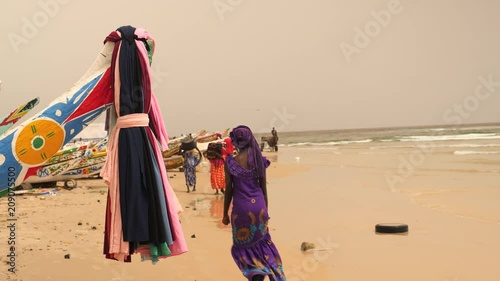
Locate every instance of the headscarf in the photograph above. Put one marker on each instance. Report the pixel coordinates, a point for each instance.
(242, 137)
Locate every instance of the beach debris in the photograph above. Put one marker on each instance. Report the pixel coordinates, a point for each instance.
(102, 192)
(79, 223)
(67, 256)
(391, 228)
(93, 228)
(297, 159)
(42, 198)
(193, 236)
(306, 246)
(98, 201)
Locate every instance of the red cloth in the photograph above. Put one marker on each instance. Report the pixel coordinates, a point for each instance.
(229, 147)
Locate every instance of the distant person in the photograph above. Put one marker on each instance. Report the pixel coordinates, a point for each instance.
(190, 163)
(253, 250)
(275, 139)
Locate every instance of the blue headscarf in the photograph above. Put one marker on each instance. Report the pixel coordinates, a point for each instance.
(243, 138)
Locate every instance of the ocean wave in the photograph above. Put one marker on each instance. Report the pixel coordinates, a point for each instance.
(467, 152)
(488, 136)
(331, 143)
(472, 145)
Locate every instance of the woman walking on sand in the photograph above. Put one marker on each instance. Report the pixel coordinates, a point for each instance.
(253, 250)
(190, 163)
(217, 175)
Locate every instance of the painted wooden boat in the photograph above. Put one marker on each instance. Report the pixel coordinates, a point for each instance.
(83, 172)
(67, 154)
(72, 174)
(95, 154)
(172, 150)
(174, 162)
(89, 162)
(208, 138)
(177, 141)
(12, 118)
(225, 133)
(27, 147)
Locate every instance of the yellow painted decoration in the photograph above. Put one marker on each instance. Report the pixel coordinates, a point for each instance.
(38, 141)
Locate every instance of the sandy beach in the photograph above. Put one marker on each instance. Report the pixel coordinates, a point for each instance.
(331, 196)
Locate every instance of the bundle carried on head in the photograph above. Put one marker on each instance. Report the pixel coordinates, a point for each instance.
(188, 144)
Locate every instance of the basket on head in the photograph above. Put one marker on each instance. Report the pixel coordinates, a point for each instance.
(188, 144)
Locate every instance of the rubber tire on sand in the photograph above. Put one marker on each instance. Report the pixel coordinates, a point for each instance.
(391, 228)
(70, 183)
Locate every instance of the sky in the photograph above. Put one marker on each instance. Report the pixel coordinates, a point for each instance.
(290, 64)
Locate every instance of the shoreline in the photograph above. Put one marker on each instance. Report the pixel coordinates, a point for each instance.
(332, 200)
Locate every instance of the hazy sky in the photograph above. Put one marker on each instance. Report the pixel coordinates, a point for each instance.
(297, 65)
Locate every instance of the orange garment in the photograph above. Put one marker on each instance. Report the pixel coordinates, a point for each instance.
(217, 174)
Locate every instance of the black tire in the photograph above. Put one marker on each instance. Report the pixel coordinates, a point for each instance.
(391, 228)
(70, 184)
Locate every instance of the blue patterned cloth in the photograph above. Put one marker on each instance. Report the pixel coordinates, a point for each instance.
(190, 163)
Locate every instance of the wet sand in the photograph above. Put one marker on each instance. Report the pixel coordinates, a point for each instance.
(330, 196)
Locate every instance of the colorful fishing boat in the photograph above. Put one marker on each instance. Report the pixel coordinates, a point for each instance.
(69, 175)
(29, 146)
(8, 121)
(172, 150)
(208, 137)
(177, 141)
(174, 162)
(67, 154)
(83, 172)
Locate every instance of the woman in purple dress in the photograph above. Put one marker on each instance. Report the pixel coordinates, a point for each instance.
(253, 250)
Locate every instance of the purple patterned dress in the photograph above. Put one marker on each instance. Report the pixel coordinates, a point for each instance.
(253, 251)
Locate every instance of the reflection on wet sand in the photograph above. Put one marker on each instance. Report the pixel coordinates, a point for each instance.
(216, 210)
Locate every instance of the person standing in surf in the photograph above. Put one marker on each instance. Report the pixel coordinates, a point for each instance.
(253, 250)
(275, 138)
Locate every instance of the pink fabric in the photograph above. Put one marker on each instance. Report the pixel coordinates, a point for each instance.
(110, 172)
(151, 105)
(157, 121)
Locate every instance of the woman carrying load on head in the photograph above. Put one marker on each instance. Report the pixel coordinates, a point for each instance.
(191, 160)
(217, 174)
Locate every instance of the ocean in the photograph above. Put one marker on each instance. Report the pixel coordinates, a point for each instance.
(327, 138)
